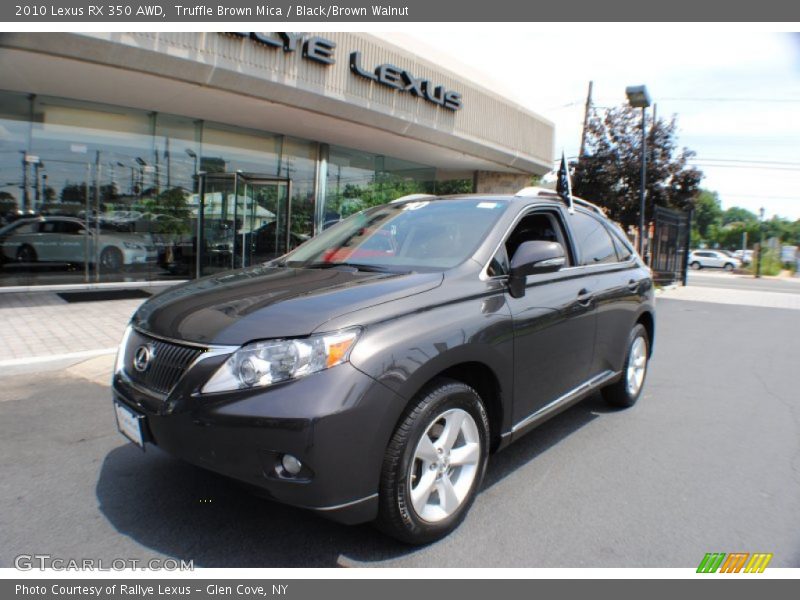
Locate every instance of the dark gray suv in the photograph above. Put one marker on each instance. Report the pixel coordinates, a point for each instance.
(368, 374)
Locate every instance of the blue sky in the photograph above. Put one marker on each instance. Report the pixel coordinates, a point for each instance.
(736, 92)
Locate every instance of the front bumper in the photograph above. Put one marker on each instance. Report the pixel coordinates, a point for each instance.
(337, 422)
(139, 257)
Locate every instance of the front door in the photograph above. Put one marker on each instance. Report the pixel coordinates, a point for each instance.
(242, 220)
(554, 323)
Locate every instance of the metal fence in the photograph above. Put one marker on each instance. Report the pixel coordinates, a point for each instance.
(670, 245)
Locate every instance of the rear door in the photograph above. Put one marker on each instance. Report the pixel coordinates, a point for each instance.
(620, 287)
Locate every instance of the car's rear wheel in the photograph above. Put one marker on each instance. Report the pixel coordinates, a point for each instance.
(696, 266)
(626, 391)
(434, 464)
(729, 267)
(111, 259)
(26, 254)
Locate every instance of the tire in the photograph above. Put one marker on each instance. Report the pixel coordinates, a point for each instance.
(625, 392)
(26, 254)
(111, 259)
(729, 267)
(696, 266)
(416, 472)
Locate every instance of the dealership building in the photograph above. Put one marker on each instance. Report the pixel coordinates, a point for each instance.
(162, 156)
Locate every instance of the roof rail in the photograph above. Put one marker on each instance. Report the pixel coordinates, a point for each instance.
(539, 192)
(589, 205)
(413, 197)
(533, 192)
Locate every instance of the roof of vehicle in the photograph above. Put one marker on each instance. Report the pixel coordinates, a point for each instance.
(528, 193)
(48, 218)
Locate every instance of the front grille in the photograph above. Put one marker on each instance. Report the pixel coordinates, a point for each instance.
(167, 362)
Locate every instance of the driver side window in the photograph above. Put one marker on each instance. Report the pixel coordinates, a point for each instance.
(539, 225)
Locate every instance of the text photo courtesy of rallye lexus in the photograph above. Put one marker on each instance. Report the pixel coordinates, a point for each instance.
(369, 373)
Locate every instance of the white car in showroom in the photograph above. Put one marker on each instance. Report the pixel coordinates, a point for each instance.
(713, 259)
(68, 240)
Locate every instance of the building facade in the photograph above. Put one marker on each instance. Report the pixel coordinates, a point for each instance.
(148, 156)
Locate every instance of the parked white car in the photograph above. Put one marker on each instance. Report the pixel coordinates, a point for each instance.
(67, 240)
(746, 257)
(713, 259)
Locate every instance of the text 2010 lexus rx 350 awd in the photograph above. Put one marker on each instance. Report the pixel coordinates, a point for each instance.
(368, 374)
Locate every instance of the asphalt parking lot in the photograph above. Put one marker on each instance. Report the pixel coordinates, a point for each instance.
(708, 461)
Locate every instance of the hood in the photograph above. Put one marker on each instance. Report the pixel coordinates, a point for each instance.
(270, 302)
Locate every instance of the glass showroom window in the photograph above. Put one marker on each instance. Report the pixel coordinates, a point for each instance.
(358, 180)
(20, 182)
(170, 217)
(299, 164)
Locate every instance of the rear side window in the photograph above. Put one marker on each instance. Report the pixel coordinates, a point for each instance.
(623, 252)
(593, 240)
(70, 227)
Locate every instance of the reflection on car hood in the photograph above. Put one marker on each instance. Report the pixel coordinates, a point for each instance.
(268, 302)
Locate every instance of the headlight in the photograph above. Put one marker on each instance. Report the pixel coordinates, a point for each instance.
(133, 246)
(263, 363)
(119, 363)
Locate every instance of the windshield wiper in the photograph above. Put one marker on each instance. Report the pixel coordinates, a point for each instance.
(357, 266)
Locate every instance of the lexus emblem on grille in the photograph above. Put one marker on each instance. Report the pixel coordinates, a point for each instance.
(142, 358)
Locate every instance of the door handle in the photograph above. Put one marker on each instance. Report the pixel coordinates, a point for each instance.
(633, 285)
(585, 297)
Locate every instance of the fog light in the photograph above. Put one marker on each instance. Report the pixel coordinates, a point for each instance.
(291, 464)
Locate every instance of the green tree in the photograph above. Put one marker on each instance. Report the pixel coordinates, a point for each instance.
(729, 237)
(736, 214)
(73, 192)
(610, 173)
(707, 212)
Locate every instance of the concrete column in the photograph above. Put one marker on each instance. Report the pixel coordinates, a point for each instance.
(495, 182)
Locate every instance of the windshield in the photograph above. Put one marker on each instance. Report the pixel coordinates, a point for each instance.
(409, 236)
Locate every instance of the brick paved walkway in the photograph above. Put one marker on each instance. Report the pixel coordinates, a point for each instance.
(41, 324)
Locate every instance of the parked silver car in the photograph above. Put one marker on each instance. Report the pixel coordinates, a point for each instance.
(713, 259)
(68, 240)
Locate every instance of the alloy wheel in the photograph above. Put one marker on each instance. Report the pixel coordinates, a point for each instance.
(637, 363)
(445, 465)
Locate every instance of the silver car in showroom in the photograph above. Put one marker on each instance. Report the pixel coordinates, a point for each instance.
(69, 240)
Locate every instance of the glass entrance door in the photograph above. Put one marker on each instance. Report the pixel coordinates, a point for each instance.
(242, 220)
(265, 231)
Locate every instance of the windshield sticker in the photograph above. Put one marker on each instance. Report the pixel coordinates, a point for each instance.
(487, 205)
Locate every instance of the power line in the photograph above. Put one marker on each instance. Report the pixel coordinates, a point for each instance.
(742, 166)
(769, 100)
(760, 196)
(747, 160)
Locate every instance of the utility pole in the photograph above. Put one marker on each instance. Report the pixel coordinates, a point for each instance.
(760, 240)
(586, 119)
(744, 245)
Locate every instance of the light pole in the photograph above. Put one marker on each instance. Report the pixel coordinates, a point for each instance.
(639, 98)
(193, 156)
(760, 240)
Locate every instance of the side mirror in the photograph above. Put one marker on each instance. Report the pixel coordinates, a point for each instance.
(532, 258)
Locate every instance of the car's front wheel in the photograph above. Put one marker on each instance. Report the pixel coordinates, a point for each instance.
(26, 254)
(434, 463)
(111, 259)
(626, 391)
(729, 267)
